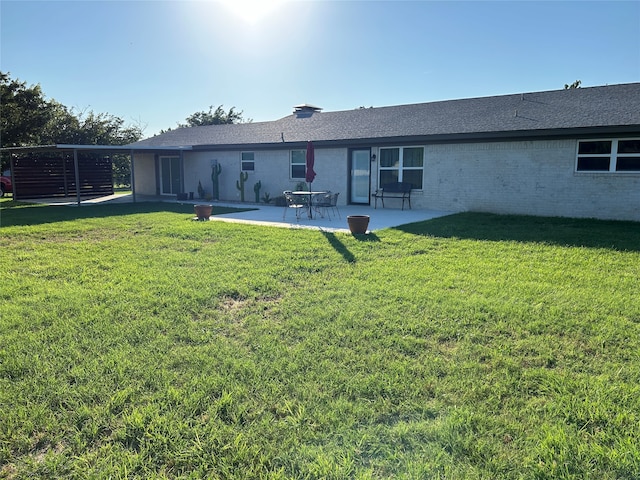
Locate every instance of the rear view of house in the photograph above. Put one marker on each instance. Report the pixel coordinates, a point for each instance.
(572, 153)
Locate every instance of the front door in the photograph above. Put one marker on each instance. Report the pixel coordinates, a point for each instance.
(169, 175)
(360, 176)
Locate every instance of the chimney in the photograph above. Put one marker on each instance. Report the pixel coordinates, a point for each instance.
(305, 110)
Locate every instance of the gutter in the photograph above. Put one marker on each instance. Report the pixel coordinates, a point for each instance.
(480, 137)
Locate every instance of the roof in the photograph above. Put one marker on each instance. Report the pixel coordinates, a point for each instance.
(93, 148)
(592, 110)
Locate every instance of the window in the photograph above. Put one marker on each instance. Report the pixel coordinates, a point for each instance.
(608, 155)
(247, 163)
(402, 164)
(628, 158)
(298, 163)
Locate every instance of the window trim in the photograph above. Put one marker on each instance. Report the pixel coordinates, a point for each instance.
(613, 156)
(401, 168)
(243, 161)
(291, 164)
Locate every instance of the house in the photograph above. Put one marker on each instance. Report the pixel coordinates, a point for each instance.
(573, 153)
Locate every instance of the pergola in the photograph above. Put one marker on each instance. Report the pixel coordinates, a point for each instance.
(60, 170)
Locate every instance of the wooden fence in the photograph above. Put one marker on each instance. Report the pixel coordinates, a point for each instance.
(53, 175)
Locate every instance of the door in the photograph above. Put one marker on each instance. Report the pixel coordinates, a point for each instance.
(360, 176)
(169, 175)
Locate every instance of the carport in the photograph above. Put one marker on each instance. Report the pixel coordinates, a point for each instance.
(63, 170)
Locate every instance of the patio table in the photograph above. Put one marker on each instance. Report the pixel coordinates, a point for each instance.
(310, 195)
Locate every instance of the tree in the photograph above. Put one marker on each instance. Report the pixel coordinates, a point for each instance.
(575, 84)
(25, 113)
(213, 117)
(102, 129)
(29, 119)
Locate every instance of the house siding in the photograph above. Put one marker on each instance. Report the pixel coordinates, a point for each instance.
(525, 177)
(145, 173)
(272, 169)
(535, 177)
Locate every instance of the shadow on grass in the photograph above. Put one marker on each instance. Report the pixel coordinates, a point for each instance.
(20, 214)
(366, 237)
(614, 235)
(339, 246)
(342, 249)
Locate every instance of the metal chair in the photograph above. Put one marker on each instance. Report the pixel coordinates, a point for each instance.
(333, 204)
(295, 202)
(321, 203)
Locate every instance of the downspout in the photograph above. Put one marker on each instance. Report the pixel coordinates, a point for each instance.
(75, 164)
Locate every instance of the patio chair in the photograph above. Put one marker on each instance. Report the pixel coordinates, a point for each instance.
(293, 201)
(334, 203)
(321, 203)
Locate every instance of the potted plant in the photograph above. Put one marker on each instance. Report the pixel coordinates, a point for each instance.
(358, 224)
(203, 212)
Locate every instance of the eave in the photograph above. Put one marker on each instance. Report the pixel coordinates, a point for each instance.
(482, 137)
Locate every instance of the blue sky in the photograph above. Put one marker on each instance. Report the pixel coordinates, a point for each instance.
(156, 62)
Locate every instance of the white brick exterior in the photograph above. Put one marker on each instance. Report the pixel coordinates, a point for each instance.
(526, 177)
(144, 171)
(271, 169)
(510, 177)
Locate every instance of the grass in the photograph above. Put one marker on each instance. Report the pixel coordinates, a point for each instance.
(136, 343)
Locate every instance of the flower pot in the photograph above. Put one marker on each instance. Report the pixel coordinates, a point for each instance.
(358, 223)
(203, 212)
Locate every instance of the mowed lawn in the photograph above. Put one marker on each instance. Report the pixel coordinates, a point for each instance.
(137, 343)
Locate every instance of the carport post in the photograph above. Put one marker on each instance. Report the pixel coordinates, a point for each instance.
(13, 176)
(75, 165)
(181, 170)
(133, 179)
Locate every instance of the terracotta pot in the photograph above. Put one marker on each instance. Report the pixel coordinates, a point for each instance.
(203, 212)
(358, 223)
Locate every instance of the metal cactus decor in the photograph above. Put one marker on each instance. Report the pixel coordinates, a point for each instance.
(240, 184)
(216, 169)
(256, 189)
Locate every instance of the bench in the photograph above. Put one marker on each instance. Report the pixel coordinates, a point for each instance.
(393, 190)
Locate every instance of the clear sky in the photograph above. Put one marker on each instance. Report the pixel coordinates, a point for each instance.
(156, 62)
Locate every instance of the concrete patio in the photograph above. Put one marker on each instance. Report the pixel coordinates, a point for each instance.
(262, 214)
(380, 218)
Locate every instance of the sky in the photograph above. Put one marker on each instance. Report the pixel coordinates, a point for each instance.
(154, 63)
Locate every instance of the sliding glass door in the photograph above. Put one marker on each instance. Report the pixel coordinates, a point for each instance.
(360, 176)
(169, 175)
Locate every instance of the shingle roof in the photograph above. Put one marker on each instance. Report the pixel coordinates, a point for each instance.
(614, 107)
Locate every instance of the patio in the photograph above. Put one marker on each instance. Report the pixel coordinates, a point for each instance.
(271, 215)
(379, 218)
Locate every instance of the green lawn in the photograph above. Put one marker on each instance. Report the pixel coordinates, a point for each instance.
(137, 343)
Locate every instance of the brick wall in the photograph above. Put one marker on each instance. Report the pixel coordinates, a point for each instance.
(527, 177)
(271, 169)
(518, 177)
